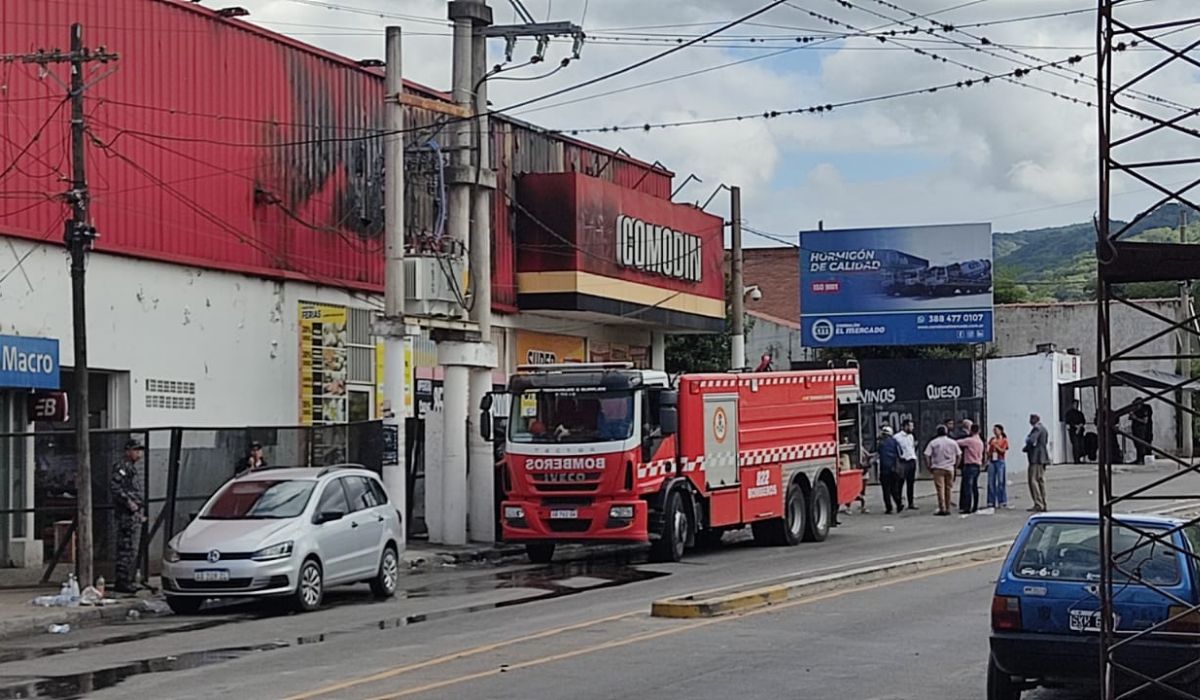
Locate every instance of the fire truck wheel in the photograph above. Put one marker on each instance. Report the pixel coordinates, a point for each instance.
(672, 542)
(795, 516)
(820, 514)
(540, 552)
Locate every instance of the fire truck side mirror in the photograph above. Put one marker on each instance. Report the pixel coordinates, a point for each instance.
(485, 417)
(668, 412)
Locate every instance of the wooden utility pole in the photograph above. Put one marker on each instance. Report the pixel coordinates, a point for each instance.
(79, 234)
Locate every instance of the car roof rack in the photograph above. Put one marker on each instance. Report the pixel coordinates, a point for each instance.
(336, 467)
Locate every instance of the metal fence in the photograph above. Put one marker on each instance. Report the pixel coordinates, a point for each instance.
(182, 467)
(926, 416)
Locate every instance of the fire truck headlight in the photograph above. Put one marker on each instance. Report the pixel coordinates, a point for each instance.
(514, 513)
(621, 512)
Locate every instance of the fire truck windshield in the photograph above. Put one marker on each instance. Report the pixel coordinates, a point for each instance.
(571, 416)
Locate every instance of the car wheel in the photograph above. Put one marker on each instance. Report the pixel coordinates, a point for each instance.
(1000, 685)
(184, 606)
(540, 552)
(310, 587)
(386, 579)
(820, 514)
(673, 540)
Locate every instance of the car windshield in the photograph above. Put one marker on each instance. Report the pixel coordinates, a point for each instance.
(572, 416)
(259, 499)
(1062, 551)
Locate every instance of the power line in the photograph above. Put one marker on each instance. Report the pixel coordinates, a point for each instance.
(985, 42)
(33, 139)
(645, 61)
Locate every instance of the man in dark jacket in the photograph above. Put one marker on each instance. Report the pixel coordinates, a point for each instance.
(891, 479)
(129, 512)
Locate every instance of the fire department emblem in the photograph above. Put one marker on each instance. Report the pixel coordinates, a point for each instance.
(720, 424)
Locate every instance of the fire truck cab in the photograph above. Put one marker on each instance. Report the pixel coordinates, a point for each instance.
(609, 453)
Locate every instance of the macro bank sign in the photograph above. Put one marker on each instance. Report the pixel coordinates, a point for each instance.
(28, 363)
(918, 285)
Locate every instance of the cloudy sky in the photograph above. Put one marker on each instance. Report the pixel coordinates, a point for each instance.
(1016, 156)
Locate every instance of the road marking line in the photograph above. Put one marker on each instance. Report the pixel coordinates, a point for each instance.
(465, 653)
(611, 644)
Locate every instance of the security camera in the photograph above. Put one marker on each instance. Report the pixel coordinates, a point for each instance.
(755, 293)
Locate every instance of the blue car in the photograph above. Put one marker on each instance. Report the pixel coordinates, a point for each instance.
(1046, 608)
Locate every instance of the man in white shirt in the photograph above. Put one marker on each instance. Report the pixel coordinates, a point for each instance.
(908, 459)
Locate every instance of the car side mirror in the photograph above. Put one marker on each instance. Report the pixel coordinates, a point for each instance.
(329, 516)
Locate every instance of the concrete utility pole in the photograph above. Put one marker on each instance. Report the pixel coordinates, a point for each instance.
(737, 340)
(1184, 368)
(391, 327)
(461, 352)
(79, 234)
(480, 458)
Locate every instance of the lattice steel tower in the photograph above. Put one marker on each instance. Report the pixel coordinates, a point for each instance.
(1147, 77)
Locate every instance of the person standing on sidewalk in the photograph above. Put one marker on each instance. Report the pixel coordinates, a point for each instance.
(972, 464)
(253, 461)
(129, 508)
(942, 455)
(997, 492)
(1039, 457)
(907, 476)
(1075, 424)
(890, 478)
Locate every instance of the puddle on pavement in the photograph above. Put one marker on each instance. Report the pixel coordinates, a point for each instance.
(543, 583)
(80, 684)
(27, 653)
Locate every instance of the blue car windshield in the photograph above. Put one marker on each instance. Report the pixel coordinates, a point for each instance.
(259, 499)
(1070, 551)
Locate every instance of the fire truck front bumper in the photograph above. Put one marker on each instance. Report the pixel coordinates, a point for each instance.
(608, 520)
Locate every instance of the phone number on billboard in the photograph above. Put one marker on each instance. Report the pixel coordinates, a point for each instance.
(952, 318)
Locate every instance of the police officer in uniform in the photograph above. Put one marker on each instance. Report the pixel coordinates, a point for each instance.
(129, 507)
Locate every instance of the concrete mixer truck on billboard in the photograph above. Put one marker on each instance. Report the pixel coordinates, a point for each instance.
(896, 286)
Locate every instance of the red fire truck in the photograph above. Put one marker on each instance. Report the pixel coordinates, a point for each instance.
(609, 453)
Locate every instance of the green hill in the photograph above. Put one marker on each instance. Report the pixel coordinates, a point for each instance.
(1060, 262)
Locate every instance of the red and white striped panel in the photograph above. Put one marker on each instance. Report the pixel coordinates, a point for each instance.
(663, 467)
(773, 455)
(840, 377)
(791, 453)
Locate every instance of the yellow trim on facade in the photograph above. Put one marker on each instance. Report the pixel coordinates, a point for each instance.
(576, 282)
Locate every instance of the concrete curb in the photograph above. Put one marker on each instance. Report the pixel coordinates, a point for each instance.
(83, 615)
(726, 601)
(711, 605)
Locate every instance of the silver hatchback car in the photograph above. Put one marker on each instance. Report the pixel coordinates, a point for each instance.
(286, 533)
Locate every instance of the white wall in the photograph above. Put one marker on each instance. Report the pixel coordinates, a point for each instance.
(1017, 387)
(1020, 328)
(236, 337)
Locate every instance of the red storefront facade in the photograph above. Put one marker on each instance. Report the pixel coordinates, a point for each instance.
(219, 144)
(590, 247)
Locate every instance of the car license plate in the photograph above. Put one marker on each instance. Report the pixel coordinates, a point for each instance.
(564, 514)
(212, 575)
(1085, 621)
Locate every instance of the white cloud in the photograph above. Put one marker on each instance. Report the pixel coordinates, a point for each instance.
(993, 150)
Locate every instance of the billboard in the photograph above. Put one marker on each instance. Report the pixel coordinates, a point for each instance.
(918, 285)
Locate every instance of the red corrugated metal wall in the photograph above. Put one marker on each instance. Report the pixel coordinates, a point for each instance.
(222, 145)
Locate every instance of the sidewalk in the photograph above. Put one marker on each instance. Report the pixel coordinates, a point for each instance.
(18, 616)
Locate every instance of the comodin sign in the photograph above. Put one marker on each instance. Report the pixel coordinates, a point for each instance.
(658, 249)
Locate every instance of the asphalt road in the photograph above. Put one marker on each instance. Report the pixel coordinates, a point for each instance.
(579, 629)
